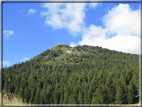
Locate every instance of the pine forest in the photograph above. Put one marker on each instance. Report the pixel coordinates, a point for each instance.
(79, 75)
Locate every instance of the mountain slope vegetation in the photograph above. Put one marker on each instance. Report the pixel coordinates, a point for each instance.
(79, 75)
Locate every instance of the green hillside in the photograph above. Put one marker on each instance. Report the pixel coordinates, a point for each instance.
(79, 75)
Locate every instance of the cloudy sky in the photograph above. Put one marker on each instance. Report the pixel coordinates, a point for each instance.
(31, 28)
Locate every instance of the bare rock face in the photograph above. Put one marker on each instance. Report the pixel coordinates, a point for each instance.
(68, 51)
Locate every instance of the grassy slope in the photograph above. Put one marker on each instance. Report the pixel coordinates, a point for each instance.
(61, 58)
(11, 99)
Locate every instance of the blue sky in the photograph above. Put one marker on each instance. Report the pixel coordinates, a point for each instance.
(31, 28)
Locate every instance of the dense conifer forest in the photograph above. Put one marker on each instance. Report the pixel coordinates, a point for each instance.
(79, 75)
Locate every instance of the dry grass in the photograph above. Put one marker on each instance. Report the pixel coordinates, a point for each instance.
(11, 99)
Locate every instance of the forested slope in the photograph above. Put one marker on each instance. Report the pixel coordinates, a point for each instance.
(79, 75)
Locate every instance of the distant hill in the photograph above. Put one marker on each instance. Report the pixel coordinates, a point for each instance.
(79, 75)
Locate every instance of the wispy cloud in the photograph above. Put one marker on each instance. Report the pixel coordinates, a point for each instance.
(20, 11)
(31, 11)
(5, 63)
(8, 33)
(24, 59)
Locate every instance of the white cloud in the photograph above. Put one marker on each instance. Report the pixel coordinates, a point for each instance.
(93, 5)
(24, 59)
(127, 31)
(92, 33)
(65, 15)
(8, 32)
(72, 44)
(31, 11)
(92, 36)
(124, 43)
(123, 20)
(5, 63)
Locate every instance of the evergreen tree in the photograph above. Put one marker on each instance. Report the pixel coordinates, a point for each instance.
(80, 97)
(27, 94)
(37, 97)
(98, 97)
(120, 96)
(130, 94)
(20, 93)
(33, 92)
(61, 99)
(66, 97)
